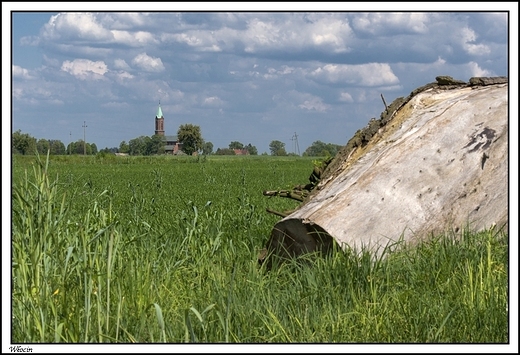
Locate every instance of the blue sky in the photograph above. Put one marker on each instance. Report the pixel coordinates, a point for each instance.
(251, 77)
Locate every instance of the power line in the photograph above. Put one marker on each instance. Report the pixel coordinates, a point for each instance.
(84, 141)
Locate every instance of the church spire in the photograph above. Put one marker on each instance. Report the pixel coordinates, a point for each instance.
(159, 122)
(159, 111)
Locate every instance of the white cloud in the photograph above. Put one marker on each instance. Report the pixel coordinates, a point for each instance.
(124, 20)
(212, 101)
(362, 96)
(346, 97)
(19, 72)
(296, 32)
(202, 40)
(83, 26)
(273, 73)
(390, 23)
(51, 62)
(29, 41)
(432, 69)
(17, 93)
(121, 64)
(85, 69)
(35, 94)
(314, 103)
(147, 63)
(286, 70)
(260, 34)
(124, 75)
(476, 70)
(134, 39)
(332, 35)
(101, 28)
(468, 37)
(371, 74)
(266, 32)
(439, 62)
(269, 76)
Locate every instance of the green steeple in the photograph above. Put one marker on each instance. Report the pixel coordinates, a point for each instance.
(159, 111)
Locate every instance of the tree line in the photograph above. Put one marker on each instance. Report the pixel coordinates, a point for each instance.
(316, 149)
(189, 136)
(25, 144)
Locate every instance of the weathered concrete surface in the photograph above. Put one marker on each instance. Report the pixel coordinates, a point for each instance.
(440, 164)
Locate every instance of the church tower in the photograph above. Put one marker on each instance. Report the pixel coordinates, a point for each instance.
(159, 122)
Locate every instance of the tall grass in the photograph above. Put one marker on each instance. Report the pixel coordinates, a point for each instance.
(147, 255)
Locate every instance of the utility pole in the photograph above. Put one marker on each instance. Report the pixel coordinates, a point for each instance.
(70, 143)
(84, 141)
(295, 139)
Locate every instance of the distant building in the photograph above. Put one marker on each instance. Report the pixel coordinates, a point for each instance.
(243, 151)
(172, 145)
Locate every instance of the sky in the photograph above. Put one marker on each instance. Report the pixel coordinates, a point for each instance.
(247, 76)
(247, 72)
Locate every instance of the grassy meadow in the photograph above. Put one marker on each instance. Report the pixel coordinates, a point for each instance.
(164, 249)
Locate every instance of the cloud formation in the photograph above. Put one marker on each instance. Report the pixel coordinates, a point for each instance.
(252, 77)
(85, 69)
(148, 63)
(371, 74)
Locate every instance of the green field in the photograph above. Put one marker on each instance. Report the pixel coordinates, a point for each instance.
(164, 249)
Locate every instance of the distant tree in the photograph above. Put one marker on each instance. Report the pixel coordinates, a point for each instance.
(105, 151)
(92, 149)
(71, 148)
(190, 137)
(108, 150)
(277, 148)
(161, 149)
(236, 145)
(23, 143)
(154, 145)
(207, 148)
(317, 148)
(252, 149)
(79, 146)
(57, 147)
(159, 143)
(43, 146)
(137, 145)
(124, 147)
(143, 145)
(147, 146)
(334, 148)
(321, 149)
(225, 151)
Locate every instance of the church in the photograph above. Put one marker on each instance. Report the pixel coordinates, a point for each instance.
(172, 146)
